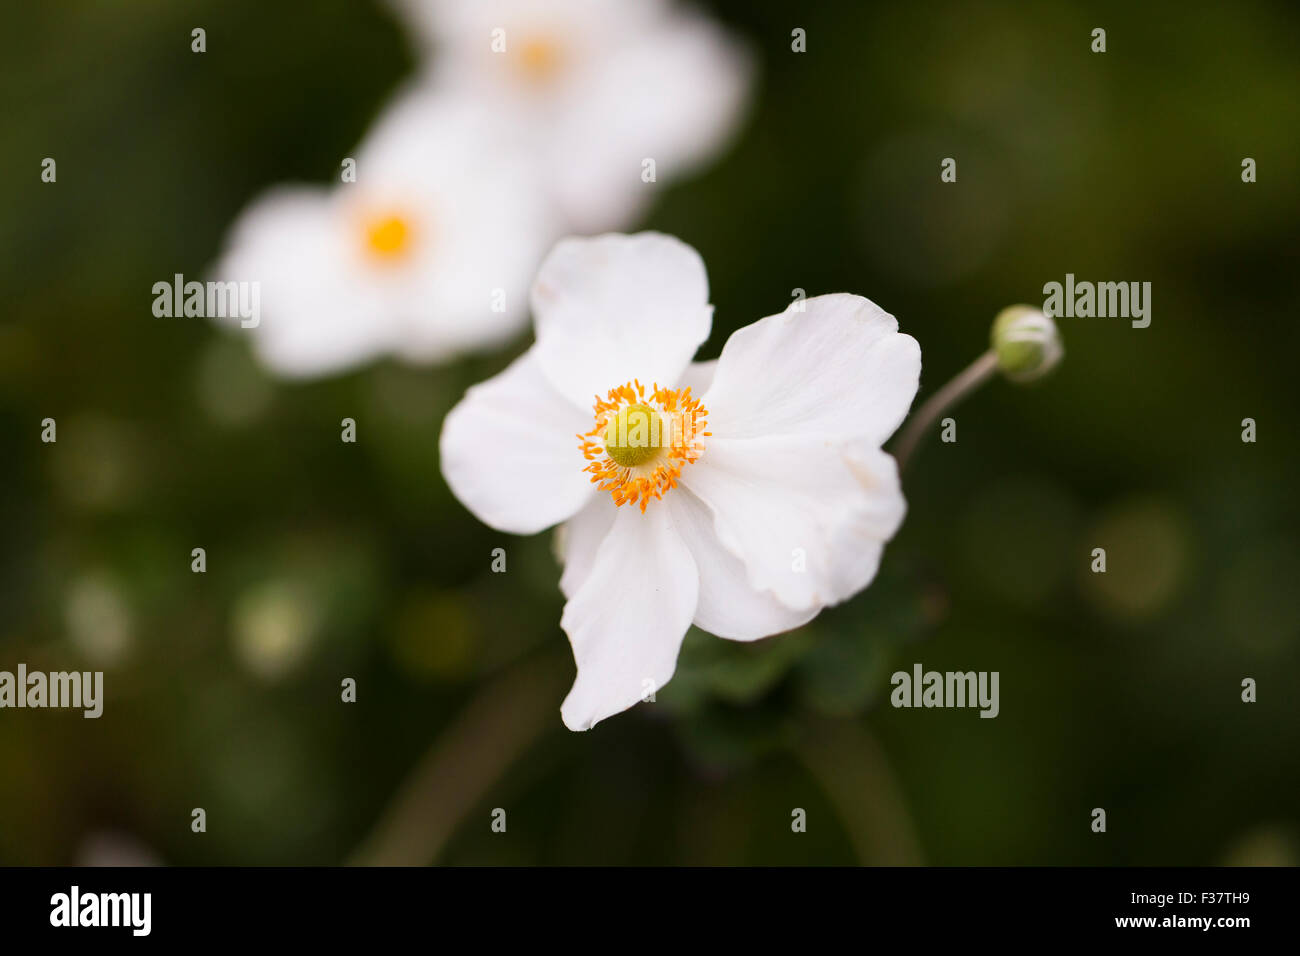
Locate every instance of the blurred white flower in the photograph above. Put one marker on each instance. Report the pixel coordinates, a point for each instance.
(743, 495)
(426, 255)
(592, 89)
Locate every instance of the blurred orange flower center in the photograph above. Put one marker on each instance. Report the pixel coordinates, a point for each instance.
(540, 58)
(639, 442)
(388, 236)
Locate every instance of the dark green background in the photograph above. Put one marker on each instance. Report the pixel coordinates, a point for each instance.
(1119, 691)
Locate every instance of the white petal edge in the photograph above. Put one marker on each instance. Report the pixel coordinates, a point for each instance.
(626, 621)
(580, 538)
(807, 516)
(698, 377)
(510, 451)
(729, 606)
(615, 308)
(838, 368)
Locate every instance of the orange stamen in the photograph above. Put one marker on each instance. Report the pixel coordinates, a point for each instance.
(684, 420)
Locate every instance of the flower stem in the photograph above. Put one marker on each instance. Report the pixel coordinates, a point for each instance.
(971, 378)
(853, 770)
(509, 713)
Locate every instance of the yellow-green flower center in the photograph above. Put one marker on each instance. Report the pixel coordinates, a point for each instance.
(638, 445)
(635, 436)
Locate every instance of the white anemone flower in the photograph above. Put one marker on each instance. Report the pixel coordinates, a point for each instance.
(427, 255)
(593, 89)
(742, 495)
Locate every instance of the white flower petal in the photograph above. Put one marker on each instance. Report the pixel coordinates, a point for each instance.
(510, 451)
(627, 619)
(616, 308)
(463, 25)
(856, 545)
(674, 93)
(808, 516)
(580, 539)
(698, 377)
(314, 319)
(618, 81)
(476, 224)
(840, 368)
(479, 222)
(729, 606)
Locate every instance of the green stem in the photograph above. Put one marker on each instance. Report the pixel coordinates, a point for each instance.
(971, 378)
(845, 758)
(465, 762)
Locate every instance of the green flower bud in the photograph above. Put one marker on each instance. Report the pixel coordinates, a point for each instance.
(1026, 342)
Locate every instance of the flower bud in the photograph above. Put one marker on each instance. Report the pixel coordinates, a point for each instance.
(1026, 342)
